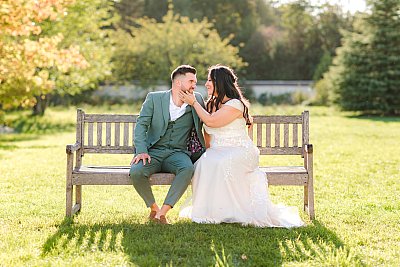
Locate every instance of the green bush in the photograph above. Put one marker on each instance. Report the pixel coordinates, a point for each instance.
(294, 98)
(322, 93)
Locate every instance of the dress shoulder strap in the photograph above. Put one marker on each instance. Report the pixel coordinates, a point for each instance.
(235, 103)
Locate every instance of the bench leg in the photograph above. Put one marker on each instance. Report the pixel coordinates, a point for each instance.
(68, 211)
(78, 198)
(69, 186)
(311, 201)
(309, 188)
(72, 209)
(305, 208)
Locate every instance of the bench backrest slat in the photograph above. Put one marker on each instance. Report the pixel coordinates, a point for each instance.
(117, 133)
(99, 134)
(108, 133)
(286, 134)
(109, 118)
(277, 135)
(278, 119)
(295, 137)
(280, 150)
(268, 135)
(259, 136)
(110, 150)
(306, 133)
(90, 134)
(80, 136)
(269, 138)
(126, 133)
(274, 139)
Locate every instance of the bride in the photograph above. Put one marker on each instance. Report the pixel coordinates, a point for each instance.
(227, 184)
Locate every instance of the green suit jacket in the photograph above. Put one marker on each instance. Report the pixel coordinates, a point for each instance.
(153, 119)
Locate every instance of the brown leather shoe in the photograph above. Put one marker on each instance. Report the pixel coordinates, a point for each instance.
(152, 216)
(163, 220)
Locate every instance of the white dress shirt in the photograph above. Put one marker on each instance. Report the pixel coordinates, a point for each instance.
(174, 111)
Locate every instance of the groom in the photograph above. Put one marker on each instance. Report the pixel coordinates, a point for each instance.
(161, 134)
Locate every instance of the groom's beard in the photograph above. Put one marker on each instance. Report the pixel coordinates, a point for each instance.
(190, 90)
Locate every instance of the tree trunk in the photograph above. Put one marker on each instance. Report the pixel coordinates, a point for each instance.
(40, 106)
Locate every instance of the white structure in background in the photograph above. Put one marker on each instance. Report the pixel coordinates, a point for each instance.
(280, 87)
(135, 91)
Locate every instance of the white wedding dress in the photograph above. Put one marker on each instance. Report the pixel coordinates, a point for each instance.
(229, 187)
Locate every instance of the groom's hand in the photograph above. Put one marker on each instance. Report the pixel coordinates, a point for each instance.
(139, 157)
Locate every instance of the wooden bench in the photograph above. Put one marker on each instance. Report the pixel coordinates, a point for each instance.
(106, 133)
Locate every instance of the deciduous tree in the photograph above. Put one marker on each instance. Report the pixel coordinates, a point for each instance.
(153, 49)
(26, 57)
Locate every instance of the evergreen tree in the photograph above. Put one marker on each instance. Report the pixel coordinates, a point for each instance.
(365, 75)
(384, 58)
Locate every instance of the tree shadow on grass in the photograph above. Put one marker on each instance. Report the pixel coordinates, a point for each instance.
(375, 118)
(9, 141)
(7, 146)
(187, 243)
(29, 128)
(15, 137)
(41, 125)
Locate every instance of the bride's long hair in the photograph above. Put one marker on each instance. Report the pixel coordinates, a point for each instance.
(225, 84)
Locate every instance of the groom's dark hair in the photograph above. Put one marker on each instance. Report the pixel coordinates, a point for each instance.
(182, 70)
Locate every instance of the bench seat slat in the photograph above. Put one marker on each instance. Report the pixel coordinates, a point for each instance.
(118, 175)
(283, 169)
(130, 150)
(284, 179)
(115, 175)
(286, 175)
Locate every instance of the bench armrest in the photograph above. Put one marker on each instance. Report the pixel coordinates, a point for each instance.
(72, 148)
(308, 148)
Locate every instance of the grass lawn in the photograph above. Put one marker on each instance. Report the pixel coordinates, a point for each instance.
(357, 190)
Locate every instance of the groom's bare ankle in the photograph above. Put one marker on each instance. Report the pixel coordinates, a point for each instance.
(154, 207)
(163, 211)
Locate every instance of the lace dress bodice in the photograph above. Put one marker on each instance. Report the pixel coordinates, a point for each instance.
(232, 134)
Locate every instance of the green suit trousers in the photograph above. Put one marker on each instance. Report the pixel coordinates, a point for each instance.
(163, 160)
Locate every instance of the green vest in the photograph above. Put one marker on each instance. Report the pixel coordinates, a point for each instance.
(177, 133)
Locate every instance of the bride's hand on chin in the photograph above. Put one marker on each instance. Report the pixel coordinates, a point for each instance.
(186, 97)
